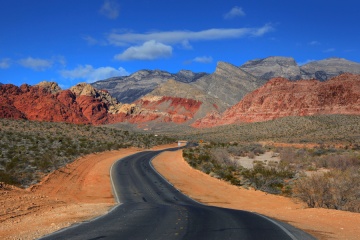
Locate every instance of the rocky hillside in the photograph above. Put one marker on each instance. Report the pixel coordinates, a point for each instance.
(81, 104)
(328, 68)
(175, 102)
(280, 98)
(271, 67)
(286, 67)
(130, 88)
(228, 83)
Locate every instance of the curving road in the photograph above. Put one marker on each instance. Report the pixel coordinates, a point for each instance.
(151, 208)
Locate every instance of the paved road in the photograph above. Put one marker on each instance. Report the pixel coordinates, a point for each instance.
(153, 209)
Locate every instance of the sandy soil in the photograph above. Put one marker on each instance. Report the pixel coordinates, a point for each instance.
(79, 191)
(82, 190)
(321, 223)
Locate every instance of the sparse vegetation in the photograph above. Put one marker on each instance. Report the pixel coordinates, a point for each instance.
(325, 129)
(324, 176)
(31, 149)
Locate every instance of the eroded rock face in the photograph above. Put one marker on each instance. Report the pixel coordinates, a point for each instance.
(328, 68)
(228, 83)
(51, 87)
(131, 88)
(83, 104)
(271, 67)
(281, 97)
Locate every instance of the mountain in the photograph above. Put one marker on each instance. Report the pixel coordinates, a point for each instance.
(271, 67)
(130, 88)
(175, 102)
(328, 68)
(280, 97)
(83, 104)
(228, 83)
(286, 67)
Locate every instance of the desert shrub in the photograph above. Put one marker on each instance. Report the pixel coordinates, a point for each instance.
(271, 180)
(31, 148)
(335, 190)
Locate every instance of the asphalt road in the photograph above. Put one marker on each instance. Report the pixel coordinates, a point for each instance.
(151, 208)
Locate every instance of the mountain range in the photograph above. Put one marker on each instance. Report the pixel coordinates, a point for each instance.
(229, 95)
(228, 83)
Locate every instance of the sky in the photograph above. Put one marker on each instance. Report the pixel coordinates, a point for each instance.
(72, 41)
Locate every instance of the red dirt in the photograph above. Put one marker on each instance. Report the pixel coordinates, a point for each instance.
(321, 223)
(77, 192)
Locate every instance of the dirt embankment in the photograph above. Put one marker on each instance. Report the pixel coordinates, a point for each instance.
(77, 192)
(321, 223)
(82, 190)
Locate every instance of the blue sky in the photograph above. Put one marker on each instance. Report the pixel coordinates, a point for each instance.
(72, 41)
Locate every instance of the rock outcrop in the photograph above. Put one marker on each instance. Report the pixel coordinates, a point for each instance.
(228, 83)
(271, 67)
(81, 104)
(280, 98)
(174, 102)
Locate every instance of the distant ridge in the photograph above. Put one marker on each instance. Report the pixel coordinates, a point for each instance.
(228, 83)
(287, 67)
(130, 88)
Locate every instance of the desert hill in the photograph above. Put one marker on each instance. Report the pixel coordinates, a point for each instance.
(280, 98)
(271, 67)
(328, 68)
(177, 102)
(83, 104)
(228, 83)
(130, 88)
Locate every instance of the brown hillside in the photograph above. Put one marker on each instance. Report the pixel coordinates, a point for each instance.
(280, 98)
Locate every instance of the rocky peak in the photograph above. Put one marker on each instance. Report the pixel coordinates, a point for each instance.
(225, 68)
(51, 87)
(84, 89)
(328, 68)
(271, 67)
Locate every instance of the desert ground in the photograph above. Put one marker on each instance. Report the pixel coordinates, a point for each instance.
(81, 191)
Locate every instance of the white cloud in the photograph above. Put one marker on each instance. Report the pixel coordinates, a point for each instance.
(36, 64)
(4, 63)
(329, 50)
(181, 37)
(150, 50)
(90, 40)
(314, 43)
(91, 74)
(204, 59)
(235, 12)
(110, 9)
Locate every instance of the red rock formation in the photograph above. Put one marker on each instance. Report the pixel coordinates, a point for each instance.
(169, 109)
(82, 104)
(280, 98)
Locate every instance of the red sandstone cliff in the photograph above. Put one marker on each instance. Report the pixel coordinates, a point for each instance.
(280, 98)
(83, 104)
